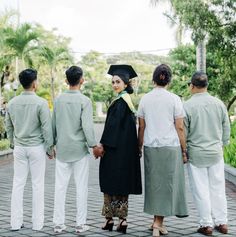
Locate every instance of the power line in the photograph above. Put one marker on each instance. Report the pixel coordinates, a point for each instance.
(115, 53)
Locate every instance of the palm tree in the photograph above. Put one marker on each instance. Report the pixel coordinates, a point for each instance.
(174, 20)
(201, 46)
(6, 53)
(22, 40)
(52, 57)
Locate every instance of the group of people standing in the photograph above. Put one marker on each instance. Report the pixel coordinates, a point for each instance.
(169, 135)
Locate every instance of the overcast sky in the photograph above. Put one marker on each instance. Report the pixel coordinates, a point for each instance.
(107, 26)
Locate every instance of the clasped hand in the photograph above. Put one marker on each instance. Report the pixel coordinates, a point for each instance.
(98, 151)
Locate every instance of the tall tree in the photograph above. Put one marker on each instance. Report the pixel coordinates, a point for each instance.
(22, 40)
(174, 20)
(52, 57)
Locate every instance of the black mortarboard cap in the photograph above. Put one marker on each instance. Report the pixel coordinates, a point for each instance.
(122, 69)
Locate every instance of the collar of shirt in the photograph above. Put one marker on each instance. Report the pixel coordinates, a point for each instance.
(200, 94)
(28, 93)
(72, 91)
(157, 89)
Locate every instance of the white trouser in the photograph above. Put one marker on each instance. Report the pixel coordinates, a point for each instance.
(63, 173)
(27, 159)
(208, 189)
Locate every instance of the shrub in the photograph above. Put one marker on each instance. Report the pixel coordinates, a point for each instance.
(4, 144)
(230, 150)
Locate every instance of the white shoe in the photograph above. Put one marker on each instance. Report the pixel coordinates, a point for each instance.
(81, 228)
(16, 229)
(37, 227)
(59, 228)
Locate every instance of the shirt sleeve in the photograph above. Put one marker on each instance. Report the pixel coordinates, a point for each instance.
(9, 128)
(178, 110)
(87, 123)
(225, 127)
(46, 125)
(54, 124)
(140, 113)
(187, 121)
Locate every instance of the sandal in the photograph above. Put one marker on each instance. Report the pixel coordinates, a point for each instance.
(109, 224)
(122, 228)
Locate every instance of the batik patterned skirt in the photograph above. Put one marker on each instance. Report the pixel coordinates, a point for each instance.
(115, 206)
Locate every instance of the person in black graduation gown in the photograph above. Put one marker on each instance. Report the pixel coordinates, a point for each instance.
(119, 171)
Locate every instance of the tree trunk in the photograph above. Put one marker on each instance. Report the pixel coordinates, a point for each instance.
(231, 102)
(201, 56)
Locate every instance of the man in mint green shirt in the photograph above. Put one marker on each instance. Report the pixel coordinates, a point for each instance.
(208, 130)
(73, 135)
(29, 129)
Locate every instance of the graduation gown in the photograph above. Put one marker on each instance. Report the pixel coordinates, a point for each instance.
(119, 171)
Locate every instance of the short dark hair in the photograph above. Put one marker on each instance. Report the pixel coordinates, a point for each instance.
(162, 75)
(73, 75)
(199, 79)
(27, 76)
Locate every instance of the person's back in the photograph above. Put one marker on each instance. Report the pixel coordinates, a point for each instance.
(207, 130)
(29, 128)
(25, 111)
(73, 125)
(73, 134)
(161, 108)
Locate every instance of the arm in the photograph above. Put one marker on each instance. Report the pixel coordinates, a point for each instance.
(46, 126)
(226, 128)
(141, 129)
(9, 129)
(54, 131)
(179, 126)
(87, 124)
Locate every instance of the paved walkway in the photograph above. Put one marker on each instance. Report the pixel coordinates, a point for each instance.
(138, 221)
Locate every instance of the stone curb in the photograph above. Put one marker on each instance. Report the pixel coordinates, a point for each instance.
(230, 174)
(6, 154)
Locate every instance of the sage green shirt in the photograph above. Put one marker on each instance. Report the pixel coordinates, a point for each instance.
(28, 121)
(207, 129)
(73, 126)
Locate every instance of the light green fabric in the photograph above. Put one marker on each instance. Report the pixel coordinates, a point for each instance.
(28, 121)
(164, 182)
(207, 129)
(73, 126)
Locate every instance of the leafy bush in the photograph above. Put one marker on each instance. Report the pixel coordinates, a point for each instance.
(2, 125)
(4, 144)
(230, 150)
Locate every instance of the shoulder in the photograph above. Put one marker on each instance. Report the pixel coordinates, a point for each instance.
(14, 100)
(41, 101)
(85, 98)
(188, 103)
(218, 102)
(147, 97)
(173, 96)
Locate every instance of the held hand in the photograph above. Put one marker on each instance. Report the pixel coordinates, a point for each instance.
(98, 151)
(185, 157)
(52, 155)
(140, 152)
(49, 156)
